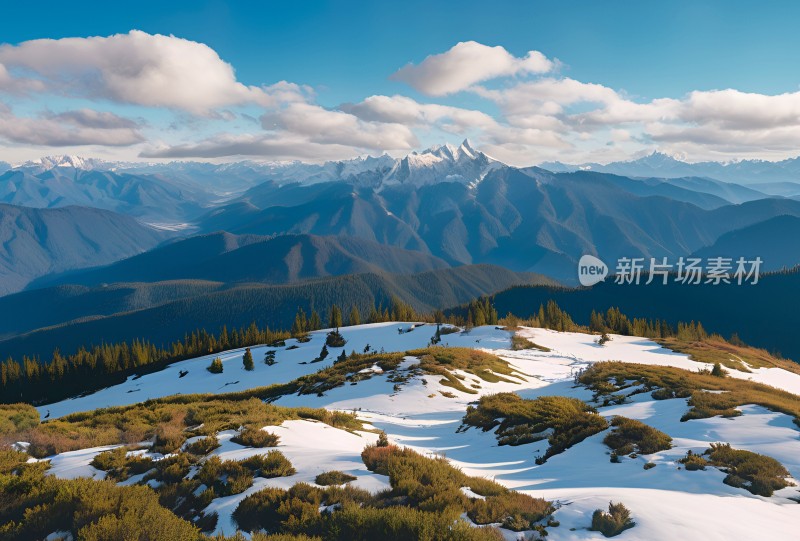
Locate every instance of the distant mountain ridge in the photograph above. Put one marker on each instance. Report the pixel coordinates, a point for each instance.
(224, 257)
(36, 242)
(165, 311)
(662, 165)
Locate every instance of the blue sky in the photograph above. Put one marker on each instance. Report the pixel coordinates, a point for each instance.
(340, 53)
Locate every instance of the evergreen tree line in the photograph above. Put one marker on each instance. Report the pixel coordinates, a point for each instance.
(34, 381)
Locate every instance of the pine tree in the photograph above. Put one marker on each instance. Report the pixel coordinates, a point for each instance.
(247, 360)
(341, 358)
(300, 325)
(216, 366)
(314, 323)
(335, 317)
(355, 317)
(718, 371)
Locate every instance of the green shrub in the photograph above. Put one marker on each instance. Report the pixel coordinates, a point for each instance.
(649, 465)
(614, 522)
(693, 461)
(271, 464)
(563, 421)
(225, 477)
(203, 446)
(119, 466)
(253, 437)
(334, 478)
(758, 474)
(629, 435)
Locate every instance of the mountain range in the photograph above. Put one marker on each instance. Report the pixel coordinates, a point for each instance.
(760, 173)
(152, 247)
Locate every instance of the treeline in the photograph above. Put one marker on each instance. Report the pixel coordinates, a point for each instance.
(34, 381)
(552, 316)
(396, 311)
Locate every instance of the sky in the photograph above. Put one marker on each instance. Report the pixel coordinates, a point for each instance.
(526, 81)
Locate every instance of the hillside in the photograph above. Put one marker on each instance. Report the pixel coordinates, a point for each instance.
(163, 312)
(763, 315)
(223, 257)
(569, 432)
(36, 242)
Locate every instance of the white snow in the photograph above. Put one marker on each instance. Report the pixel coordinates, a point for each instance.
(667, 502)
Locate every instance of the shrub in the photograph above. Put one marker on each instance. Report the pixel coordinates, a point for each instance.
(253, 437)
(693, 461)
(225, 477)
(563, 421)
(758, 474)
(717, 371)
(168, 438)
(629, 435)
(334, 478)
(203, 446)
(216, 366)
(614, 522)
(649, 465)
(514, 510)
(271, 464)
(519, 343)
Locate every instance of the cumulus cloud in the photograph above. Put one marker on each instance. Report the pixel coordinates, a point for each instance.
(405, 110)
(268, 146)
(321, 125)
(70, 128)
(466, 64)
(136, 68)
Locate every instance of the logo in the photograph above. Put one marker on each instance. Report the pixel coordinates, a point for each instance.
(591, 270)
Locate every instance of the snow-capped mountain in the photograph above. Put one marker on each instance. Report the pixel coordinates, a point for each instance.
(661, 165)
(446, 163)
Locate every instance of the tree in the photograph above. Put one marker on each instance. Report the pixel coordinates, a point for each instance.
(314, 323)
(269, 357)
(355, 317)
(383, 441)
(300, 325)
(718, 371)
(216, 366)
(247, 360)
(335, 317)
(341, 358)
(323, 353)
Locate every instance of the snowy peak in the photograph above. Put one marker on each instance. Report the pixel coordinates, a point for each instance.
(443, 163)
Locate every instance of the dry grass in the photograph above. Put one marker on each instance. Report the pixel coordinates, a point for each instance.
(613, 378)
(716, 349)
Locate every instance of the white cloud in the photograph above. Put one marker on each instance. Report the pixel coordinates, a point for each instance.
(136, 68)
(266, 146)
(71, 128)
(466, 64)
(324, 126)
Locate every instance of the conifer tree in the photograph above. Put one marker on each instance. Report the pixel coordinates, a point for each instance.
(216, 366)
(314, 323)
(335, 317)
(355, 317)
(247, 360)
(300, 325)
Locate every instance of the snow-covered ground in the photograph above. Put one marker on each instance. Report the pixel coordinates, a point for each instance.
(667, 502)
